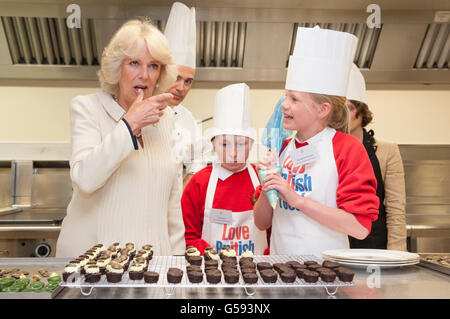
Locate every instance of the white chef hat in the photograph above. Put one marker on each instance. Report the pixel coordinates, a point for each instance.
(232, 113)
(180, 31)
(321, 61)
(356, 86)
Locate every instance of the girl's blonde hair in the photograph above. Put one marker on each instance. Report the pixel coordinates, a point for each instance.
(131, 40)
(339, 117)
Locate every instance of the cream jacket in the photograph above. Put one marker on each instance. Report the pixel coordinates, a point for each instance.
(121, 194)
(391, 166)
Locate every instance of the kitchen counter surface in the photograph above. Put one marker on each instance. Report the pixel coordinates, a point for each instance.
(34, 216)
(404, 283)
(408, 282)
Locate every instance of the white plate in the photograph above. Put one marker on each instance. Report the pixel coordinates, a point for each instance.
(381, 266)
(370, 261)
(371, 255)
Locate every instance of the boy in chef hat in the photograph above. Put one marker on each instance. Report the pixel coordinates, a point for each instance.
(217, 203)
(327, 186)
(180, 31)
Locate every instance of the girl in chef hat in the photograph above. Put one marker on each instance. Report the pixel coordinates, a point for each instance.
(327, 186)
(218, 201)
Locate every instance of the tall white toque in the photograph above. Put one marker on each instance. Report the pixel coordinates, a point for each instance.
(180, 31)
(321, 61)
(356, 86)
(232, 112)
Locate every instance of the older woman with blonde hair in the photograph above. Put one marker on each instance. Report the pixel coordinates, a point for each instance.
(126, 185)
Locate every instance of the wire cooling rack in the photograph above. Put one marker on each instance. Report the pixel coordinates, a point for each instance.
(161, 264)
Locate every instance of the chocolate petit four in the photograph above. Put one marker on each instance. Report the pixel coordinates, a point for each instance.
(174, 275)
(345, 274)
(314, 267)
(328, 275)
(193, 268)
(70, 271)
(136, 271)
(246, 256)
(294, 264)
(92, 274)
(229, 262)
(248, 264)
(250, 278)
(151, 277)
(281, 268)
(248, 271)
(310, 276)
(231, 277)
(190, 252)
(310, 262)
(278, 266)
(211, 254)
(195, 277)
(106, 254)
(288, 276)
(213, 276)
(195, 260)
(228, 268)
(124, 261)
(143, 254)
(131, 249)
(114, 272)
(102, 263)
(83, 262)
(264, 265)
(269, 275)
(112, 251)
(227, 252)
(148, 248)
(211, 264)
(141, 260)
(300, 271)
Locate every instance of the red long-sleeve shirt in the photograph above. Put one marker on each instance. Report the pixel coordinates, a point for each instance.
(236, 193)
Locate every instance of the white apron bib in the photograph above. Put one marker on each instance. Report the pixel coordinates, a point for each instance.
(292, 231)
(241, 234)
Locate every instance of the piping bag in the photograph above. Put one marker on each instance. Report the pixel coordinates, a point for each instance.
(272, 195)
(273, 137)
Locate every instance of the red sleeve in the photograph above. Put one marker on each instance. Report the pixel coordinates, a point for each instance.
(285, 143)
(268, 233)
(192, 206)
(356, 192)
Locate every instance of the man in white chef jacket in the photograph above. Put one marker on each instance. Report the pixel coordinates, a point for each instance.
(181, 33)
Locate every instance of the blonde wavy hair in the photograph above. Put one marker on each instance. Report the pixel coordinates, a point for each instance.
(339, 117)
(131, 40)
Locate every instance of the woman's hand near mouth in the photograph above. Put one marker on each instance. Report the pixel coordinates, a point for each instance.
(144, 112)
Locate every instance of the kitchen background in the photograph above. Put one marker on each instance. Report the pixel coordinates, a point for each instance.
(44, 64)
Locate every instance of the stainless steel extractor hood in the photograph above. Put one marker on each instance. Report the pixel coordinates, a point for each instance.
(236, 40)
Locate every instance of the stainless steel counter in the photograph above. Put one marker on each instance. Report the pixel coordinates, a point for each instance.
(34, 216)
(30, 232)
(406, 282)
(409, 282)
